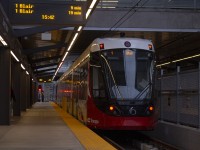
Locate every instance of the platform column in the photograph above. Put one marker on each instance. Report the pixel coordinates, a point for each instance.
(31, 91)
(23, 89)
(16, 88)
(199, 94)
(177, 95)
(28, 98)
(34, 92)
(5, 86)
(161, 102)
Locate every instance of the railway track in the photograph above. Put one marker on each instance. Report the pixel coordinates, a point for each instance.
(133, 140)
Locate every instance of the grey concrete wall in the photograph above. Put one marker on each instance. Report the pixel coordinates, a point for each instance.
(147, 19)
(183, 138)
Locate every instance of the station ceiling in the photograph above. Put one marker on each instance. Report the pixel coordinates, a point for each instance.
(44, 50)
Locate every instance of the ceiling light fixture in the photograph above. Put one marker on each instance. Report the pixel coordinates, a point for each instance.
(14, 56)
(69, 48)
(56, 72)
(75, 37)
(72, 42)
(60, 65)
(79, 28)
(22, 67)
(109, 7)
(65, 56)
(3, 41)
(114, 1)
(88, 13)
(27, 73)
(53, 77)
(93, 3)
(90, 8)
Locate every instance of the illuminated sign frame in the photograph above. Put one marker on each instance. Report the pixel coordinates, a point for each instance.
(37, 12)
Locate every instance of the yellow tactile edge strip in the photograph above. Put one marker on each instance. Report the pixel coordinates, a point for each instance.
(87, 138)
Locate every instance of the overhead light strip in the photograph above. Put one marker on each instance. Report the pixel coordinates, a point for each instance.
(72, 42)
(57, 70)
(108, 7)
(90, 8)
(14, 56)
(88, 13)
(65, 56)
(23, 67)
(79, 28)
(92, 4)
(178, 60)
(53, 77)
(186, 58)
(75, 36)
(60, 65)
(163, 64)
(110, 1)
(3, 41)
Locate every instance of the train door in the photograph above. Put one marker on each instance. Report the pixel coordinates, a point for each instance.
(76, 82)
(82, 93)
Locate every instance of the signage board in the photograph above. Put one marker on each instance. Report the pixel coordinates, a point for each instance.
(34, 12)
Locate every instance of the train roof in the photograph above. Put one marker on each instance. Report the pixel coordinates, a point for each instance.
(111, 43)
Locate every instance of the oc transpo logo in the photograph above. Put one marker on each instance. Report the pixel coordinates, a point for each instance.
(90, 120)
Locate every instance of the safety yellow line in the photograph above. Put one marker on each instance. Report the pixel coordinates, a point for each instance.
(89, 139)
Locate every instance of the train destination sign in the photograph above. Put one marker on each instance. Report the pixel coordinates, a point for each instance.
(33, 12)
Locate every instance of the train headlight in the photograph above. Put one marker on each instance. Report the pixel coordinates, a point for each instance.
(151, 108)
(114, 110)
(111, 108)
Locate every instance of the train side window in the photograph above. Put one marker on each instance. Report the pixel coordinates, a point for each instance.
(144, 60)
(75, 84)
(83, 82)
(98, 85)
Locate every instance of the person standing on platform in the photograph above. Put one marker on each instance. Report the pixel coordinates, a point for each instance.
(42, 96)
(12, 101)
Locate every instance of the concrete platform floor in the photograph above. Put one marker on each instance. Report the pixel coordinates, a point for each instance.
(39, 128)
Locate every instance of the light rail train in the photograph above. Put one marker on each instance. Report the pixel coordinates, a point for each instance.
(110, 85)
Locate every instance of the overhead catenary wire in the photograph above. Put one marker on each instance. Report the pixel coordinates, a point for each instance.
(127, 15)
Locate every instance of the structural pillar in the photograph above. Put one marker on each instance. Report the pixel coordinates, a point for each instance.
(5, 86)
(28, 98)
(16, 88)
(23, 89)
(34, 92)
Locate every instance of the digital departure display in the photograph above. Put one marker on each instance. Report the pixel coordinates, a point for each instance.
(48, 12)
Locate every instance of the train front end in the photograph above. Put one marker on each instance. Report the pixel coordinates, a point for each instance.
(121, 81)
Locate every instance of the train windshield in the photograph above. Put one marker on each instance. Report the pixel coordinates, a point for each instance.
(128, 73)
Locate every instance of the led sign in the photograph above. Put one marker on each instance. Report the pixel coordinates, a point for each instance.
(29, 12)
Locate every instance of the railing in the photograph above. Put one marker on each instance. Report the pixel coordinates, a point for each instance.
(178, 96)
(184, 4)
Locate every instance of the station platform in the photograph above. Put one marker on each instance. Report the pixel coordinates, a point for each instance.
(47, 127)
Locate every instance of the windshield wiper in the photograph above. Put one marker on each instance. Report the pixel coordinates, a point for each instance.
(116, 87)
(144, 90)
